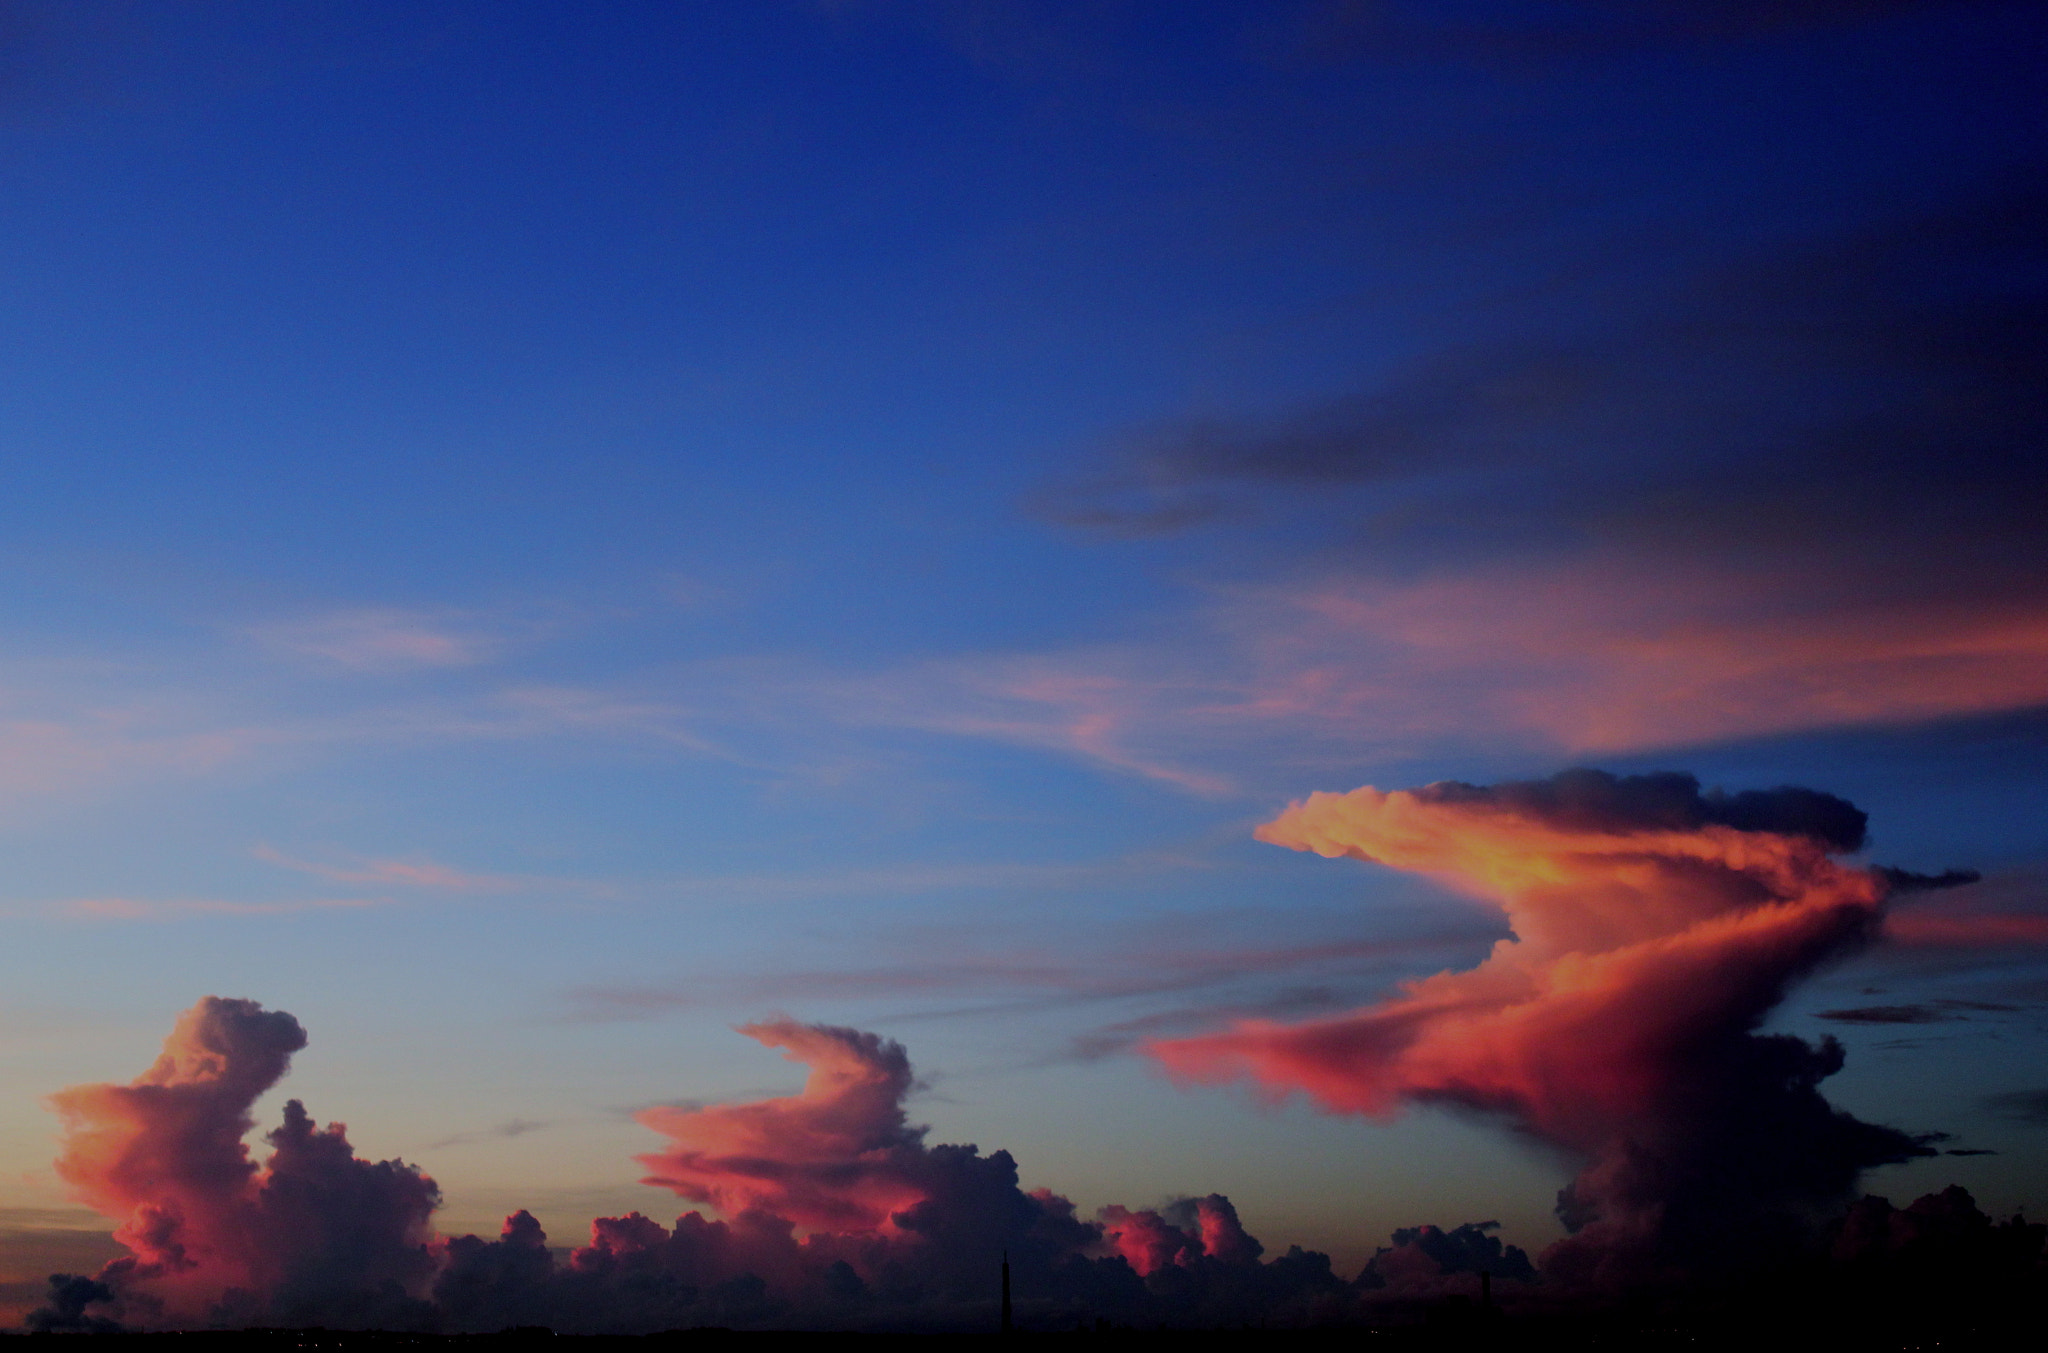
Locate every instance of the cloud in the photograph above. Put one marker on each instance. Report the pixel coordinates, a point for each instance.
(313, 1235)
(1421, 1256)
(413, 873)
(506, 1131)
(2001, 912)
(1619, 648)
(1653, 929)
(1382, 30)
(1912, 346)
(1967, 931)
(176, 909)
(370, 639)
(2021, 1106)
(56, 748)
(836, 1157)
(1887, 1014)
(1015, 981)
(1079, 709)
(1842, 524)
(838, 1214)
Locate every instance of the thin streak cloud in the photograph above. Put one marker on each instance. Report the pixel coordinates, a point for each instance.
(413, 873)
(175, 909)
(1009, 983)
(380, 640)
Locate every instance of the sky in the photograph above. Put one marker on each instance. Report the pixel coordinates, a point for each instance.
(534, 535)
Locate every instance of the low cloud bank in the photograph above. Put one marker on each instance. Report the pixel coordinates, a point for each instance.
(836, 1214)
(1654, 926)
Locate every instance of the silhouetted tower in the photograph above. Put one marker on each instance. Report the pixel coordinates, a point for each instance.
(1485, 1287)
(1006, 1291)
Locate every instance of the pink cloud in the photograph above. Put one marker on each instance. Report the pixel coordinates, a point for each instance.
(1966, 931)
(838, 1156)
(1604, 654)
(382, 640)
(211, 1233)
(1653, 929)
(414, 873)
(154, 909)
(92, 748)
(1601, 652)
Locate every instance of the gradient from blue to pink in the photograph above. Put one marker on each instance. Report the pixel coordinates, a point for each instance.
(534, 536)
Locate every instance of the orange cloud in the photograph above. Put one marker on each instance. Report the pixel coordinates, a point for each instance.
(1653, 929)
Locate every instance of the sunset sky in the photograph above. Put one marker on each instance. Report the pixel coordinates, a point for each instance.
(534, 534)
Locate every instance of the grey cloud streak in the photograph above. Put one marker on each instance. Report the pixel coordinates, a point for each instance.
(1003, 984)
(1369, 30)
(1886, 378)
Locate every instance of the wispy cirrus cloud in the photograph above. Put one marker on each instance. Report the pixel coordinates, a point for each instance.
(1968, 931)
(1612, 652)
(2007, 910)
(1601, 653)
(407, 873)
(1887, 1014)
(506, 1131)
(1075, 705)
(65, 734)
(2021, 1106)
(117, 908)
(378, 639)
(1793, 492)
(1014, 981)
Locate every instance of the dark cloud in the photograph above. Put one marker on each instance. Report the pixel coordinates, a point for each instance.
(1005, 984)
(2022, 1106)
(1940, 1256)
(1864, 409)
(1887, 1014)
(1906, 881)
(1422, 1255)
(516, 1127)
(1595, 800)
(70, 1296)
(1394, 29)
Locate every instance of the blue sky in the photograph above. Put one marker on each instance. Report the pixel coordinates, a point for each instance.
(535, 534)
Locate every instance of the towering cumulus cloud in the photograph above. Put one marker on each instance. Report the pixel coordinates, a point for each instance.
(839, 1156)
(313, 1235)
(837, 1214)
(1654, 927)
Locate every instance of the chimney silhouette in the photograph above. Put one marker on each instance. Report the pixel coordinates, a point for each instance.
(1006, 1291)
